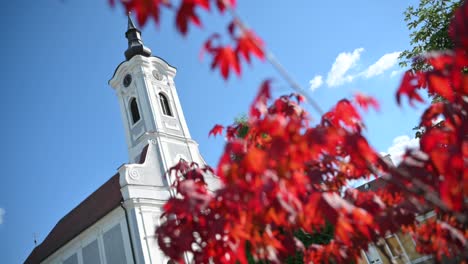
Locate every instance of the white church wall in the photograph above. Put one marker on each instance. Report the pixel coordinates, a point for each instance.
(105, 242)
(144, 217)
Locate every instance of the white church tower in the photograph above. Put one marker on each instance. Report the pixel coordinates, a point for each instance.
(157, 138)
(149, 102)
(116, 223)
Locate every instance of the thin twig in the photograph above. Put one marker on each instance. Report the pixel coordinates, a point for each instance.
(276, 64)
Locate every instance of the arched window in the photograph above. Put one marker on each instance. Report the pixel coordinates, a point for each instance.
(165, 104)
(134, 110)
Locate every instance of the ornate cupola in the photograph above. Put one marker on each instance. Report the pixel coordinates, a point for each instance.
(150, 106)
(135, 43)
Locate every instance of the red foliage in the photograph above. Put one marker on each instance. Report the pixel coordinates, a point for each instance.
(217, 129)
(259, 105)
(245, 42)
(186, 13)
(227, 58)
(366, 101)
(224, 4)
(224, 57)
(248, 43)
(285, 175)
(410, 83)
(144, 9)
(459, 29)
(271, 189)
(344, 114)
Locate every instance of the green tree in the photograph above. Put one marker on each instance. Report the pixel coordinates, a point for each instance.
(429, 24)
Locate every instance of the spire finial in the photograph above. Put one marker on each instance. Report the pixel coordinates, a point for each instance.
(135, 43)
(130, 22)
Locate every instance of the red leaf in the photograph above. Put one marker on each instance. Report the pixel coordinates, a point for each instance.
(181, 167)
(225, 59)
(232, 148)
(216, 130)
(365, 101)
(344, 114)
(186, 14)
(205, 4)
(440, 78)
(195, 190)
(447, 75)
(255, 160)
(259, 105)
(441, 85)
(444, 150)
(223, 4)
(232, 27)
(360, 151)
(300, 98)
(232, 131)
(145, 9)
(249, 43)
(208, 45)
(411, 81)
(458, 28)
(432, 113)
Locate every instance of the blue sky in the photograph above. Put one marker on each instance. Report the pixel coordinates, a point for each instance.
(63, 136)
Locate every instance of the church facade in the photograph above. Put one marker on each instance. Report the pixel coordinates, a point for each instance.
(116, 223)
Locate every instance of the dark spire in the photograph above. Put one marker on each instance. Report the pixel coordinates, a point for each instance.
(135, 43)
(130, 22)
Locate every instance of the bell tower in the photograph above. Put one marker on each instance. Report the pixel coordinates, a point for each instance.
(157, 138)
(148, 99)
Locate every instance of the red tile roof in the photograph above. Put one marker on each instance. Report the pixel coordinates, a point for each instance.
(93, 208)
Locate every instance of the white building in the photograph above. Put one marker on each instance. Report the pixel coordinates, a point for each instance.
(116, 223)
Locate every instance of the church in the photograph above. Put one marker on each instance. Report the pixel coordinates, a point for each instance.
(116, 223)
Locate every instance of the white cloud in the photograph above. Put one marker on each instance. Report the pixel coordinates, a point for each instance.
(2, 214)
(395, 73)
(385, 62)
(343, 63)
(316, 82)
(341, 70)
(399, 146)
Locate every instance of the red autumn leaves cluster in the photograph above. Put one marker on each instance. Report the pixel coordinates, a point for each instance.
(225, 57)
(185, 12)
(446, 145)
(284, 175)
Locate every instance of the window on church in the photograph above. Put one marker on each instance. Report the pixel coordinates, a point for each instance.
(73, 259)
(134, 110)
(373, 256)
(165, 104)
(114, 246)
(395, 248)
(90, 253)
